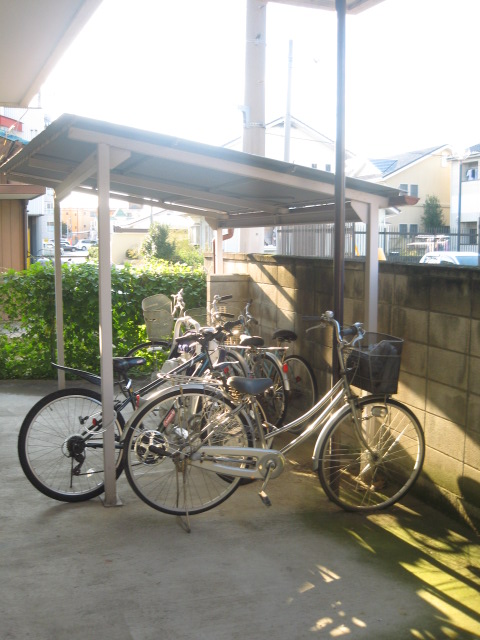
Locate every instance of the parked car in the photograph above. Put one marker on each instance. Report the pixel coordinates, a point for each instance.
(64, 245)
(84, 245)
(465, 258)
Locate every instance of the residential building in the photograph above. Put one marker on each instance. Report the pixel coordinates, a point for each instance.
(17, 128)
(79, 224)
(419, 174)
(465, 197)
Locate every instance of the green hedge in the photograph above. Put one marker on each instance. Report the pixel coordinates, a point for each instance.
(27, 302)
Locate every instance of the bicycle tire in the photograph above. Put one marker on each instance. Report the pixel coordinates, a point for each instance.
(302, 394)
(274, 400)
(177, 420)
(357, 479)
(51, 435)
(155, 353)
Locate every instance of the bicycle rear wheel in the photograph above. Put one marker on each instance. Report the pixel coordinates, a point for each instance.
(274, 400)
(371, 469)
(155, 353)
(164, 434)
(302, 394)
(235, 365)
(58, 454)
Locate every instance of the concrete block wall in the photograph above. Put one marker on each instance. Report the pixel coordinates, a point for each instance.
(436, 310)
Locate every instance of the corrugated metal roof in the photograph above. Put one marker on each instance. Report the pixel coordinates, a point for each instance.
(229, 188)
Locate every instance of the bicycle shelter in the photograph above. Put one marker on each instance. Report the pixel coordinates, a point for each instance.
(231, 189)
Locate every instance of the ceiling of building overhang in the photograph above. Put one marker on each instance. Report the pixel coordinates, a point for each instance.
(229, 188)
(34, 34)
(352, 6)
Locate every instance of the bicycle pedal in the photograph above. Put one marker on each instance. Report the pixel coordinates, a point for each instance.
(265, 499)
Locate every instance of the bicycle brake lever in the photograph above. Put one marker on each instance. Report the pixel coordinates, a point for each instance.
(322, 325)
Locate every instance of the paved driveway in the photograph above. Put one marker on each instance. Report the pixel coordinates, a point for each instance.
(301, 569)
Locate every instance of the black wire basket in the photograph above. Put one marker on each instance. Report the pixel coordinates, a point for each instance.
(373, 364)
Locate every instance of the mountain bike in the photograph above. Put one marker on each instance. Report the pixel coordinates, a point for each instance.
(60, 443)
(368, 454)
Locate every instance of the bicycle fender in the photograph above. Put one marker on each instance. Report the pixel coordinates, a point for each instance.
(86, 375)
(323, 434)
(286, 382)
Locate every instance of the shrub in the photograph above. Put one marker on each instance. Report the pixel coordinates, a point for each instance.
(27, 299)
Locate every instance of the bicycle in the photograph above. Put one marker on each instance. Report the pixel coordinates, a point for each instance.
(165, 321)
(368, 454)
(60, 443)
(253, 359)
(302, 385)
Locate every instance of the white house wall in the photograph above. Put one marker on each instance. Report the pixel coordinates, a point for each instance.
(432, 175)
(470, 204)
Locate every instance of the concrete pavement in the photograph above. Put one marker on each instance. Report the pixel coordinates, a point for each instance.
(302, 569)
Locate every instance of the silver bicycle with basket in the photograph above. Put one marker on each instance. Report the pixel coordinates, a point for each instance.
(192, 446)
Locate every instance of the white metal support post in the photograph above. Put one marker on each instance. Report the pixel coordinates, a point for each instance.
(105, 301)
(57, 228)
(218, 257)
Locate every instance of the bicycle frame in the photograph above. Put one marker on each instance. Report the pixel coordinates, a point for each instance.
(246, 354)
(201, 363)
(268, 465)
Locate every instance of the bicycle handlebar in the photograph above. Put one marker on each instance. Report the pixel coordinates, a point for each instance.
(217, 298)
(355, 329)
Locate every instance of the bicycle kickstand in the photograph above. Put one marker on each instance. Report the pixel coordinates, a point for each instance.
(263, 496)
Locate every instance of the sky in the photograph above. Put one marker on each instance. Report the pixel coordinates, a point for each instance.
(178, 68)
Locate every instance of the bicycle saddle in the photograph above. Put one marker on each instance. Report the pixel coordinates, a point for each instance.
(250, 386)
(123, 364)
(284, 335)
(252, 341)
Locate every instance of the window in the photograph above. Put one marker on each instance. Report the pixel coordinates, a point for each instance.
(411, 189)
(328, 167)
(470, 171)
(403, 228)
(414, 229)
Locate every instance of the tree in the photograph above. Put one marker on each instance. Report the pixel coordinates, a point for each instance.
(432, 214)
(157, 244)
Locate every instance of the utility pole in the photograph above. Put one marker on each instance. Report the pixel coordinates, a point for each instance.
(339, 243)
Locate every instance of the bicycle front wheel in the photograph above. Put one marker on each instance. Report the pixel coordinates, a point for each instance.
(60, 445)
(163, 436)
(373, 466)
(302, 394)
